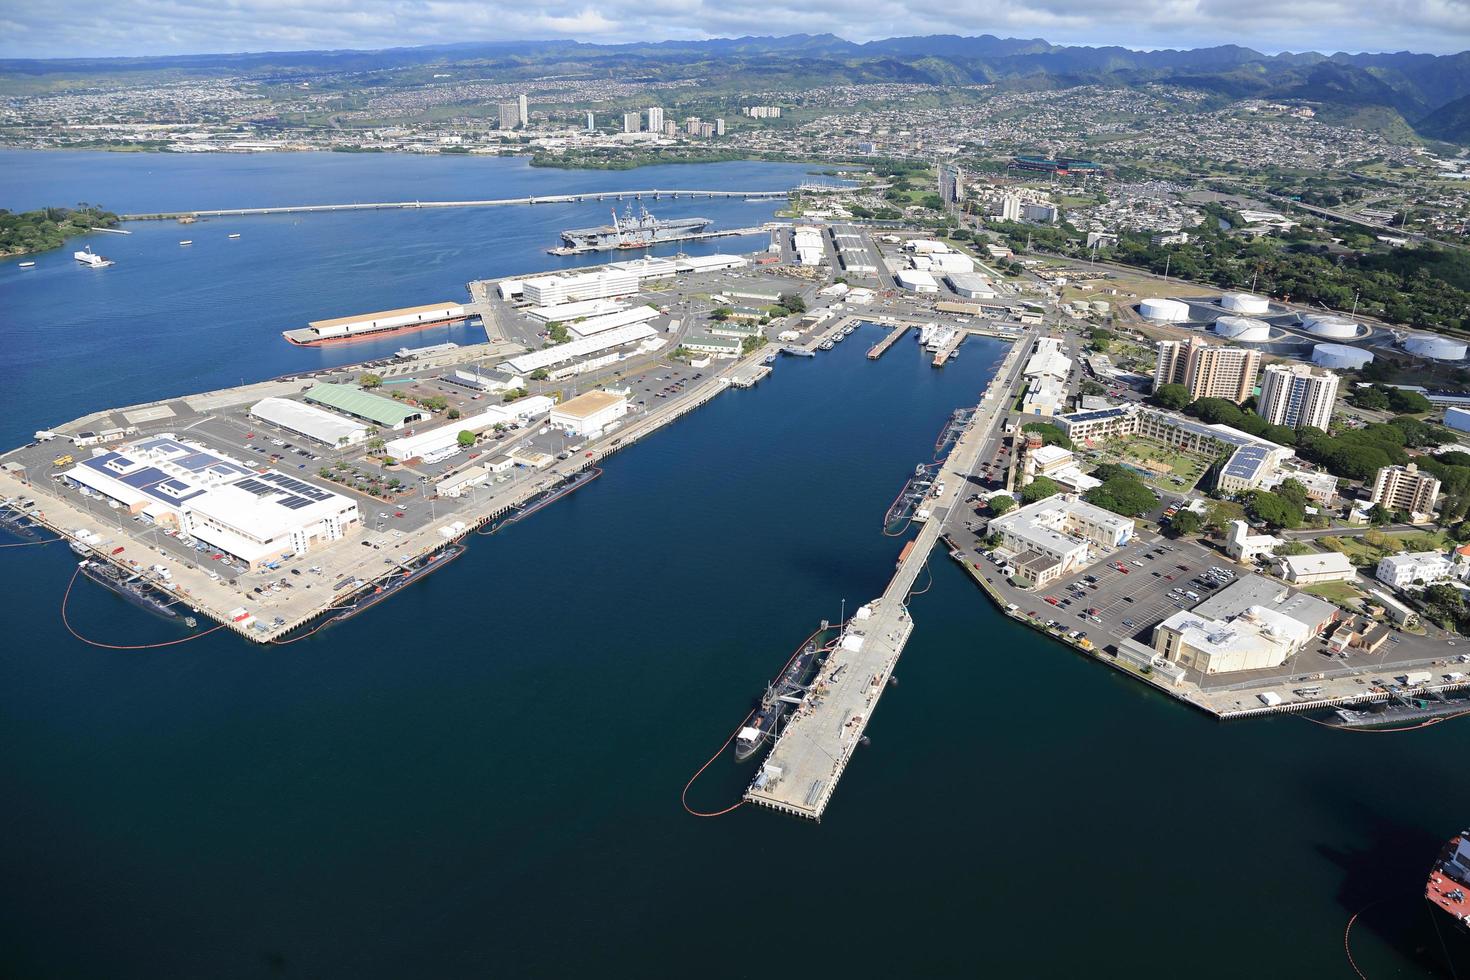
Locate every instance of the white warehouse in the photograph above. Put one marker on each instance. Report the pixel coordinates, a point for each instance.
(590, 413)
(309, 421)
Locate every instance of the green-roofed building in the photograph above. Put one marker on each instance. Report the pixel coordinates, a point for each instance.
(385, 413)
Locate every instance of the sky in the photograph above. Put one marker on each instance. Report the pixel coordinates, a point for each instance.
(103, 28)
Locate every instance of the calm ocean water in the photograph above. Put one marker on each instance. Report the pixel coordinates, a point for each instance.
(482, 777)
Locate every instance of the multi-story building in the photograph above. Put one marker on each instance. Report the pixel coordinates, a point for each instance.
(1417, 567)
(1010, 207)
(691, 125)
(630, 122)
(719, 127)
(591, 121)
(707, 130)
(1297, 396)
(1055, 536)
(671, 128)
(655, 119)
(524, 111)
(1207, 370)
(1252, 624)
(510, 115)
(1404, 488)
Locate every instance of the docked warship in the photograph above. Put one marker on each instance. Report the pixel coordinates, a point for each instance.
(630, 231)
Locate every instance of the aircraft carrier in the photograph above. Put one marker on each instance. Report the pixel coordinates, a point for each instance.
(630, 231)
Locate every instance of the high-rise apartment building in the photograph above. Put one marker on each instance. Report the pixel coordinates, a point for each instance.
(691, 125)
(1404, 488)
(510, 115)
(1297, 396)
(1208, 371)
(719, 127)
(591, 121)
(525, 113)
(655, 119)
(630, 122)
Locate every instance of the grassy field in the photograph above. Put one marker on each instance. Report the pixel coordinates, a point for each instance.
(1338, 592)
(1166, 467)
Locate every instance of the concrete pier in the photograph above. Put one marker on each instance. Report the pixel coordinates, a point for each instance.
(881, 347)
(802, 770)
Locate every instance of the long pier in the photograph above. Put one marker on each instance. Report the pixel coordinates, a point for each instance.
(634, 195)
(801, 772)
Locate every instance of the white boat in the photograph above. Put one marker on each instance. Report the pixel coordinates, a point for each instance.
(234, 234)
(187, 241)
(28, 265)
(91, 259)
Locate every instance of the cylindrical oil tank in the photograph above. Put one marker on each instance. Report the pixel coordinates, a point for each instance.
(1326, 325)
(1168, 310)
(1435, 348)
(1247, 303)
(1243, 329)
(1341, 357)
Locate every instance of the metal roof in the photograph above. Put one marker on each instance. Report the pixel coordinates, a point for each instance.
(354, 401)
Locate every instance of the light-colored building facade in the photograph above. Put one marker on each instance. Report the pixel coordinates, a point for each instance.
(1063, 531)
(630, 122)
(1327, 566)
(1207, 370)
(590, 413)
(510, 115)
(1412, 568)
(1404, 488)
(655, 119)
(1297, 396)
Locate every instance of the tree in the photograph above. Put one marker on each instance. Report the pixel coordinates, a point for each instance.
(1090, 387)
(1185, 522)
(1171, 396)
(1039, 489)
(513, 394)
(366, 380)
(1294, 491)
(1122, 494)
(721, 313)
(1050, 434)
(375, 444)
(1273, 509)
(1001, 503)
(540, 374)
(752, 343)
(1101, 340)
(466, 438)
(556, 332)
(453, 413)
(1379, 515)
(793, 302)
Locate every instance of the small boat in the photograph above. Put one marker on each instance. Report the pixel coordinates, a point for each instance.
(234, 234)
(187, 241)
(28, 265)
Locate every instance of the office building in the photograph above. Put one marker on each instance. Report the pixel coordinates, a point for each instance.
(1405, 489)
(1297, 396)
(1206, 370)
(1417, 568)
(655, 119)
(1251, 624)
(630, 122)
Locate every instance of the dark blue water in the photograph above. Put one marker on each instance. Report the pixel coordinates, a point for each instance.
(481, 777)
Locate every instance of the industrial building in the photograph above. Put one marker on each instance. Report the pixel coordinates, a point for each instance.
(309, 422)
(589, 414)
(1251, 624)
(256, 517)
(971, 285)
(611, 321)
(1404, 489)
(917, 280)
(1048, 360)
(444, 438)
(1297, 396)
(368, 324)
(562, 354)
(706, 343)
(385, 413)
(1206, 370)
(558, 289)
(1457, 418)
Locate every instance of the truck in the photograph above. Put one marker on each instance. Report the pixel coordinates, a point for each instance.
(1414, 677)
(1270, 698)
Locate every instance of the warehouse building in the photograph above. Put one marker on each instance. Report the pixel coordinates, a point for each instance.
(611, 321)
(563, 354)
(385, 321)
(1251, 624)
(588, 414)
(267, 516)
(1326, 566)
(444, 438)
(709, 344)
(385, 413)
(309, 422)
(917, 280)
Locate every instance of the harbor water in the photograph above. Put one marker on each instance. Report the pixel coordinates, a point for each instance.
(481, 776)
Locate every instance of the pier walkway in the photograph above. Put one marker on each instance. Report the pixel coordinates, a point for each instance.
(881, 347)
(635, 195)
(802, 770)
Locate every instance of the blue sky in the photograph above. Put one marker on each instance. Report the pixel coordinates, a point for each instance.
(59, 28)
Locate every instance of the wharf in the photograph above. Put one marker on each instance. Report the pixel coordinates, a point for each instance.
(881, 347)
(748, 374)
(942, 355)
(801, 772)
(698, 237)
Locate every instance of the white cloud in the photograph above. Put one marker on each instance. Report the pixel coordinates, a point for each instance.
(60, 28)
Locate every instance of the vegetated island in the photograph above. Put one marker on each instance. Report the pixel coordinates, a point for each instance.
(48, 228)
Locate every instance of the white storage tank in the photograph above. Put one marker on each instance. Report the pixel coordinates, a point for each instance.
(1167, 310)
(1326, 325)
(1243, 329)
(1435, 348)
(1340, 357)
(1247, 303)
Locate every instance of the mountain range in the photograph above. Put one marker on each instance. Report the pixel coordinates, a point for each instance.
(1430, 93)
